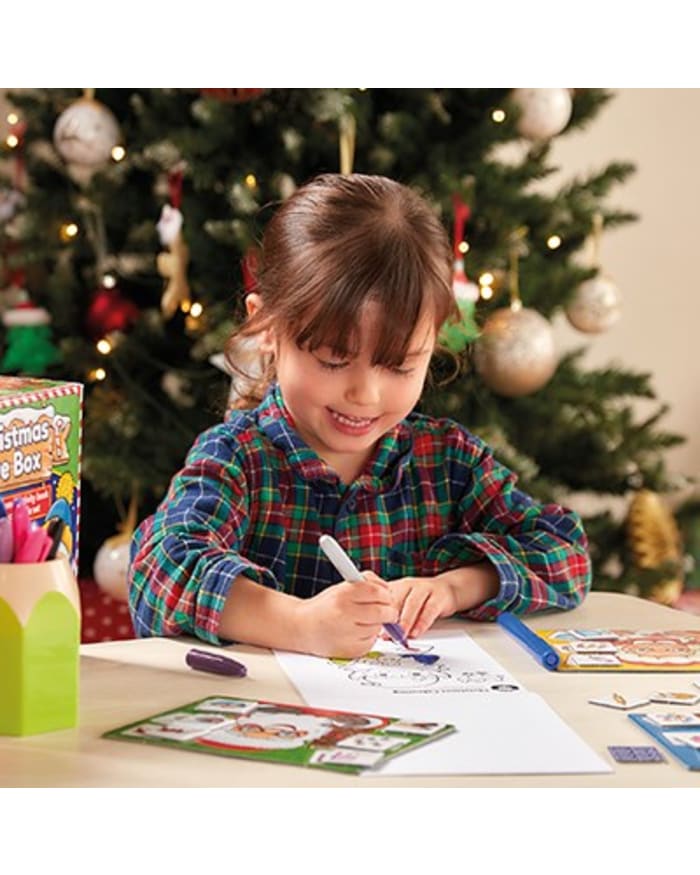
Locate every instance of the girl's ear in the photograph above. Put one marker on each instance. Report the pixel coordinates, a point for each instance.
(265, 338)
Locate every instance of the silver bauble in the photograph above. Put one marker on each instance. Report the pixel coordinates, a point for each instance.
(515, 353)
(595, 305)
(85, 133)
(544, 112)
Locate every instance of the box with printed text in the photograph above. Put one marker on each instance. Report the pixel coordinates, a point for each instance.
(40, 452)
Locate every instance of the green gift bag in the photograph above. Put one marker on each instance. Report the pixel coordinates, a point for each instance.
(39, 647)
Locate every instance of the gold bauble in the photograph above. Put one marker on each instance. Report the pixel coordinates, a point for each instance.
(654, 539)
(515, 353)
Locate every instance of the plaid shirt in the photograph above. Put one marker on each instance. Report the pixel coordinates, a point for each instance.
(253, 499)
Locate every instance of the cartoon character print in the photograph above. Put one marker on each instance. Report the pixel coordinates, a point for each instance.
(277, 728)
(659, 648)
(395, 672)
(61, 430)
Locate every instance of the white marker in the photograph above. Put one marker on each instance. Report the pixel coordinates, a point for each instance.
(347, 569)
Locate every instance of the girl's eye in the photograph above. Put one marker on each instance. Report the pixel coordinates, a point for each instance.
(331, 366)
(403, 372)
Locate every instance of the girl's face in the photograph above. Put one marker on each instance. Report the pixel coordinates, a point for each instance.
(342, 406)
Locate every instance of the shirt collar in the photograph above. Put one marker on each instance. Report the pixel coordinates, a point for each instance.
(384, 468)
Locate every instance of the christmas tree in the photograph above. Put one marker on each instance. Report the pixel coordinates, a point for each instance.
(133, 218)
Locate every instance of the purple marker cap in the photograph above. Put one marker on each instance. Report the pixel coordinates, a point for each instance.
(203, 660)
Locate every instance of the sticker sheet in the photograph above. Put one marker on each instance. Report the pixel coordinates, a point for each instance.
(625, 650)
(293, 734)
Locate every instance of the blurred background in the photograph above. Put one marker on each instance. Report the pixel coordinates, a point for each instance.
(129, 223)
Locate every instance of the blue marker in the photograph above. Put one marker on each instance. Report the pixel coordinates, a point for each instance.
(543, 652)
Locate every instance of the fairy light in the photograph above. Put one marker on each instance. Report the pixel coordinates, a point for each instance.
(486, 279)
(463, 247)
(118, 153)
(104, 346)
(12, 140)
(185, 305)
(251, 181)
(554, 242)
(109, 281)
(498, 116)
(97, 375)
(12, 118)
(486, 293)
(196, 310)
(68, 231)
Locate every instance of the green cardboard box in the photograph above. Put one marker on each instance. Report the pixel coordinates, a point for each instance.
(40, 452)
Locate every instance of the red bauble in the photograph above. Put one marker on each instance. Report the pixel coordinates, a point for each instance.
(108, 311)
(233, 95)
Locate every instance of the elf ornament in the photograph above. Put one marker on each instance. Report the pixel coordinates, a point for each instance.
(456, 337)
(515, 354)
(595, 305)
(84, 136)
(173, 264)
(544, 112)
(29, 349)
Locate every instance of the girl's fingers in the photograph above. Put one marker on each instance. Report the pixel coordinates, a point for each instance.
(412, 607)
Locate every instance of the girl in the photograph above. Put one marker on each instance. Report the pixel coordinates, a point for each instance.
(353, 286)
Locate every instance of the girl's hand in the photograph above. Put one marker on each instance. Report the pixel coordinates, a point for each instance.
(345, 619)
(423, 600)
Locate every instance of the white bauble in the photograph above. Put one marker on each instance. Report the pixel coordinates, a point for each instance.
(595, 305)
(110, 566)
(544, 112)
(85, 133)
(515, 353)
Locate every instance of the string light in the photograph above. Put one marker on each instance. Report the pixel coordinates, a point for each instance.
(118, 153)
(109, 281)
(185, 305)
(251, 181)
(68, 231)
(485, 285)
(104, 346)
(463, 247)
(12, 118)
(196, 310)
(498, 116)
(554, 242)
(97, 375)
(12, 141)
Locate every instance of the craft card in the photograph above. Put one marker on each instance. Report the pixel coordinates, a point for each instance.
(624, 650)
(683, 743)
(339, 740)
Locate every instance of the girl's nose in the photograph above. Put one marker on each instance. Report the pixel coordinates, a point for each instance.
(364, 388)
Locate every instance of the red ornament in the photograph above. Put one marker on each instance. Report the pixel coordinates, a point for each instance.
(109, 311)
(233, 95)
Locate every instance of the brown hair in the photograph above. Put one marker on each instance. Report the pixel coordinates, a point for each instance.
(335, 244)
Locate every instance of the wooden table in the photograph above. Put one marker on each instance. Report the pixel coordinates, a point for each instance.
(124, 681)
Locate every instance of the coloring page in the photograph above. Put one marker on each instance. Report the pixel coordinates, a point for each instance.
(501, 728)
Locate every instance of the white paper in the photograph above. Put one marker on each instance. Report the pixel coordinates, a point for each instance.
(501, 728)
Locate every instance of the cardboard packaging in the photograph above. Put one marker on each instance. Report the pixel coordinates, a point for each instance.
(40, 452)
